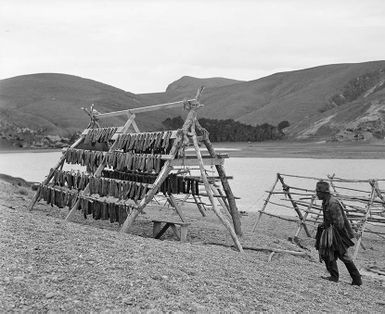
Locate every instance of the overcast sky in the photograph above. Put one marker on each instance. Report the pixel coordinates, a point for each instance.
(142, 46)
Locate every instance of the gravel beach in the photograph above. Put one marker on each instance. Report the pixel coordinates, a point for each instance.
(50, 265)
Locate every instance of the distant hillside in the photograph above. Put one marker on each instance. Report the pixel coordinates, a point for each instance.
(340, 102)
(54, 101)
(185, 87)
(331, 101)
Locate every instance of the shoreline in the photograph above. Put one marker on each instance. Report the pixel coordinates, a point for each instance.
(278, 149)
(32, 150)
(315, 150)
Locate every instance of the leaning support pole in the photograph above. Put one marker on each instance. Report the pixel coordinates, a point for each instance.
(136, 211)
(171, 199)
(369, 205)
(225, 183)
(210, 193)
(295, 206)
(302, 223)
(50, 175)
(198, 202)
(264, 205)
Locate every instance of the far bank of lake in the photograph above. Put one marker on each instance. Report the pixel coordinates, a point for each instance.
(324, 150)
(280, 149)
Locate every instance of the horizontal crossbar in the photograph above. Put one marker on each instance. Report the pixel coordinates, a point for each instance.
(142, 109)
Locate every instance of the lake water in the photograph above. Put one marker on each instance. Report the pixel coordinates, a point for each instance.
(251, 176)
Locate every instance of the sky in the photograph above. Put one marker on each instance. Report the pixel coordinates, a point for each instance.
(142, 46)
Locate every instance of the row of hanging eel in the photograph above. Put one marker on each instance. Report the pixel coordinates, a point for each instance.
(129, 161)
(71, 179)
(98, 185)
(118, 188)
(100, 135)
(114, 212)
(153, 142)
(173, 184)
(117, 160)
(90, 158)
(60, 197)
(130, 176)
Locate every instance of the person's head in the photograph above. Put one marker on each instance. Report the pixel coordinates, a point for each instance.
(322, 190)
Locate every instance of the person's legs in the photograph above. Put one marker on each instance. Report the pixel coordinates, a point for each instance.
(332, 268)
(352, 269)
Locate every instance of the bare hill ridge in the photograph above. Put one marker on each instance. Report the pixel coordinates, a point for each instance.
(53, 101)
(341, 101)
(191, 84)
(320, 102)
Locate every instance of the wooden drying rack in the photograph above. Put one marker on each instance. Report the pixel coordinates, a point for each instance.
(182, 138)
(363, 207)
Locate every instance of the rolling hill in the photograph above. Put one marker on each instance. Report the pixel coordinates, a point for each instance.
(341, 101)
(53, 101)
(318, 102)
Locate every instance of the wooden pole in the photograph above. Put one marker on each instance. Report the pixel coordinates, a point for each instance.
(226, 187)
(302, 223)
(142, 109)
(295, 206)
(372, 196)
(265, 204)
(50, 175)
(178, 209)
(129, 122)
(198, 202)
(210, 193)
(221, 200)
(150, 194)
(379, 194)
(135, 126)
(223, 197)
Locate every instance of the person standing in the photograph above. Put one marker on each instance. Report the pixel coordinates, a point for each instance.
(334, 236)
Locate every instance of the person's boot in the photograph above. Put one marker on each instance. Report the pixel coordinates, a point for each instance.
(330, 278)
(354, 273)
(332, 268)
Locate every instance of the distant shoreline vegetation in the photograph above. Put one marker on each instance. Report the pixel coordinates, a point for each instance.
(233, 131)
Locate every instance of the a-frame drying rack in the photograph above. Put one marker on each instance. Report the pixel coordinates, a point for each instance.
(125, 170)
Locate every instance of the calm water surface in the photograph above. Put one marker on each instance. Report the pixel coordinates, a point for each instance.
(252, 176)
